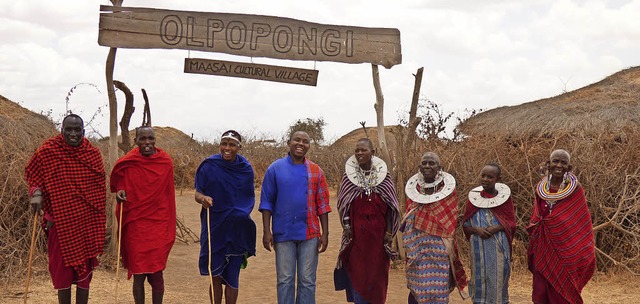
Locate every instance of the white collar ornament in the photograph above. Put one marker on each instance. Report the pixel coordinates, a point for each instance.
(357, 176)
(411, 189)
(489, 202)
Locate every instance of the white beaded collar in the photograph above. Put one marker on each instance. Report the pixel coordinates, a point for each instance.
(411, 189)
(489, 202)
(378, 167)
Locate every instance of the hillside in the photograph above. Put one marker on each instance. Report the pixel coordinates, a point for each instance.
(348, 141)
(16, 119)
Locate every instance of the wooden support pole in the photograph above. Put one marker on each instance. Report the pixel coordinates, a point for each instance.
(379, 107)
(113, 133)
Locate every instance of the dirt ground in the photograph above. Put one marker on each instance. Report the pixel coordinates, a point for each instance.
(183, 283)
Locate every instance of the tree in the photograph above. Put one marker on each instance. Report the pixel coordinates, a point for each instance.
(313, 127)
(433, 120)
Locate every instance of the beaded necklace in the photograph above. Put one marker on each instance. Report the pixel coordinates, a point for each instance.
(416, 191)
(569, 184)
(476, 199)
(366, 179)
(424, 185)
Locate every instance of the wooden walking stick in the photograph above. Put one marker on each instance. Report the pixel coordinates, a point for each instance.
(209, 243)
(118, 256)
(31, 249)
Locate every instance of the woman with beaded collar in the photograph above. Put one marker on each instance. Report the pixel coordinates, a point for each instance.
(368, 209)
(489, 223)
(433, 266)
(561, 251)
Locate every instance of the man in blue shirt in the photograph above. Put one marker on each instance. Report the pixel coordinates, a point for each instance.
(296, 196)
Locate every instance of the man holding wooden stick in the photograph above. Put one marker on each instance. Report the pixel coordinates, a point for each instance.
(144, 185)
(224, 185)
(67, 181)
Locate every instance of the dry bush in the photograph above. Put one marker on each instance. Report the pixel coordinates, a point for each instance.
(21, 132)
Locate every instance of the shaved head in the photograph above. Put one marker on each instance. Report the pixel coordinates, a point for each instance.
(561, 152)
(433, 155)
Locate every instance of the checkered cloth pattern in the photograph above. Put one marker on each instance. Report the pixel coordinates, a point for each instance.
(317, 198)
(72, 180)
(438, 218)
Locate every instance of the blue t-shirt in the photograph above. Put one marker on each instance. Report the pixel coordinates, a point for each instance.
(284, 194)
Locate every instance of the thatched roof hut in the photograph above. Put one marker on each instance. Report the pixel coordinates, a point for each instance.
(610, 105)
(21, 132)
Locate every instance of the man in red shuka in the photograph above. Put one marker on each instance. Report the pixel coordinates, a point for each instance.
(67, 180)
(143, 182)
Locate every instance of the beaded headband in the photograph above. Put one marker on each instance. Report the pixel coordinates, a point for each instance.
(231, 135)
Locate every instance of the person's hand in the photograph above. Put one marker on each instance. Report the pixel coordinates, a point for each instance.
(347, 233)
(494, 229)
(36, 202)
(267, 240)
(324, 242)
(482, 232)
(206, 201)
(121, 196)
(388, 237)
(49, 224)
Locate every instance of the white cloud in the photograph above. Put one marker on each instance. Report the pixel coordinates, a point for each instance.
(476, 54)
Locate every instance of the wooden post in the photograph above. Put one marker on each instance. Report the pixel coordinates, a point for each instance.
(379, 107)
(414, 121)
(407, 138)
(125, 142)
(113, 136)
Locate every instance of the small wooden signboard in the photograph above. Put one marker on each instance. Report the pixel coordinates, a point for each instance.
(251, 71)
(247, 35)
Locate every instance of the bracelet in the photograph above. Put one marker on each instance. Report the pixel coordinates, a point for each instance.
(32, 190)
(346, 218)
(347, 226)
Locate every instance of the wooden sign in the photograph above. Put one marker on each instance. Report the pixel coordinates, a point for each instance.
(247, 35)
(251, 70)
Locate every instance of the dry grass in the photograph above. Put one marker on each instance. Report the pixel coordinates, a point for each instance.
(22, 131)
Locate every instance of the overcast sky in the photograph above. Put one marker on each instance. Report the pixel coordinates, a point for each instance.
(476, 54)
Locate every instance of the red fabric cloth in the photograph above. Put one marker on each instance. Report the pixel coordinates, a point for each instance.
(317, 198)
(543, 292)
(63, 276)
(504, 214)
(72, 180)
(149, 214)
(561, 245)
(364, 257)
(440, 219)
